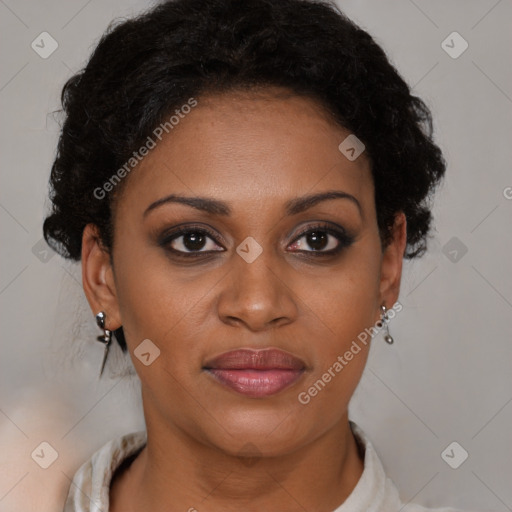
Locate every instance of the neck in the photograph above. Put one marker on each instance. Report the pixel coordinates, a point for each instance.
(176, 472)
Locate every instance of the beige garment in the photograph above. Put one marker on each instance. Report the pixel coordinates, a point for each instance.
(89, 491)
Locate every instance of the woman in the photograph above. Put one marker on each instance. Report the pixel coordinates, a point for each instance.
(241, 181)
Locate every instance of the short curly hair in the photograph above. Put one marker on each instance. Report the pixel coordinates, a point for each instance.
(144, 68)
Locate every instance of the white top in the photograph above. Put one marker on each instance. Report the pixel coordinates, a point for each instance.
(89, 491)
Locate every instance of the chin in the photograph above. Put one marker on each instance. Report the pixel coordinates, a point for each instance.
(266, 430)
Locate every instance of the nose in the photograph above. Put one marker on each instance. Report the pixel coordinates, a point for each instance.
(257, 295)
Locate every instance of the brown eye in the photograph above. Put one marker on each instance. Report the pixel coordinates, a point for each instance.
(191, 241)
(322, 239)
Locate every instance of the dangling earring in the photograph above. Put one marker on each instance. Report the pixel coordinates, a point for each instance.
(385, 319)
(106, 338)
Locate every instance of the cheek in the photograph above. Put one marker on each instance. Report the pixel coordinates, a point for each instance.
(351, 306)
(141, 284)
(345, 310)
(344, 306)
(343, 301)
(165, 304)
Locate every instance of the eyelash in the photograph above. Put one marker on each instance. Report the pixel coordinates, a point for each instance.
(343, 238)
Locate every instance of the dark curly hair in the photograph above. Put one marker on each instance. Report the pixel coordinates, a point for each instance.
(145, 68)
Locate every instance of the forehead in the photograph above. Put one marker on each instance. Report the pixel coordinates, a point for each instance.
(247, 149)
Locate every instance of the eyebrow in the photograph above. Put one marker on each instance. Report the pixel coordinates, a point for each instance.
(217, 207)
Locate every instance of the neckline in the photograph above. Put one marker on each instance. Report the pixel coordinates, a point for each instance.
(125, 464)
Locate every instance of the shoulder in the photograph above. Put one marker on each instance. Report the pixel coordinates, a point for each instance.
(375, 491)
(89, 490)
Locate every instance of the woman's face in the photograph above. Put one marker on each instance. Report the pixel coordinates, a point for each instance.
(273, 270)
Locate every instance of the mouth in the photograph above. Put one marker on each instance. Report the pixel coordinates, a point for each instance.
(256, 373)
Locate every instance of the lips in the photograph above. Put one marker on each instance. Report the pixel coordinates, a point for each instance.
(256, 373)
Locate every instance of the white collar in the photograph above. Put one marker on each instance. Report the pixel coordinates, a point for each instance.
(90, 489)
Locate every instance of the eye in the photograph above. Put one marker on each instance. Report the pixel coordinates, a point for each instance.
(191, 241)
(196, 241)
(324, 239)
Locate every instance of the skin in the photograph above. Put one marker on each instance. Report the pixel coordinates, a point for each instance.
(255, 151)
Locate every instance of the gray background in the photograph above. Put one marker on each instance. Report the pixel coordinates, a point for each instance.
(446, 378)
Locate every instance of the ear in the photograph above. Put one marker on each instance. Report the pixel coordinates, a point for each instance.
(391, 263)
(98, 278)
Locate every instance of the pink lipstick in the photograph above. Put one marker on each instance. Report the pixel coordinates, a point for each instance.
(256, 373)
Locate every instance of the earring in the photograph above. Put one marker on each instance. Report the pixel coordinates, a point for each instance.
(106, 338)
(387, 337)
